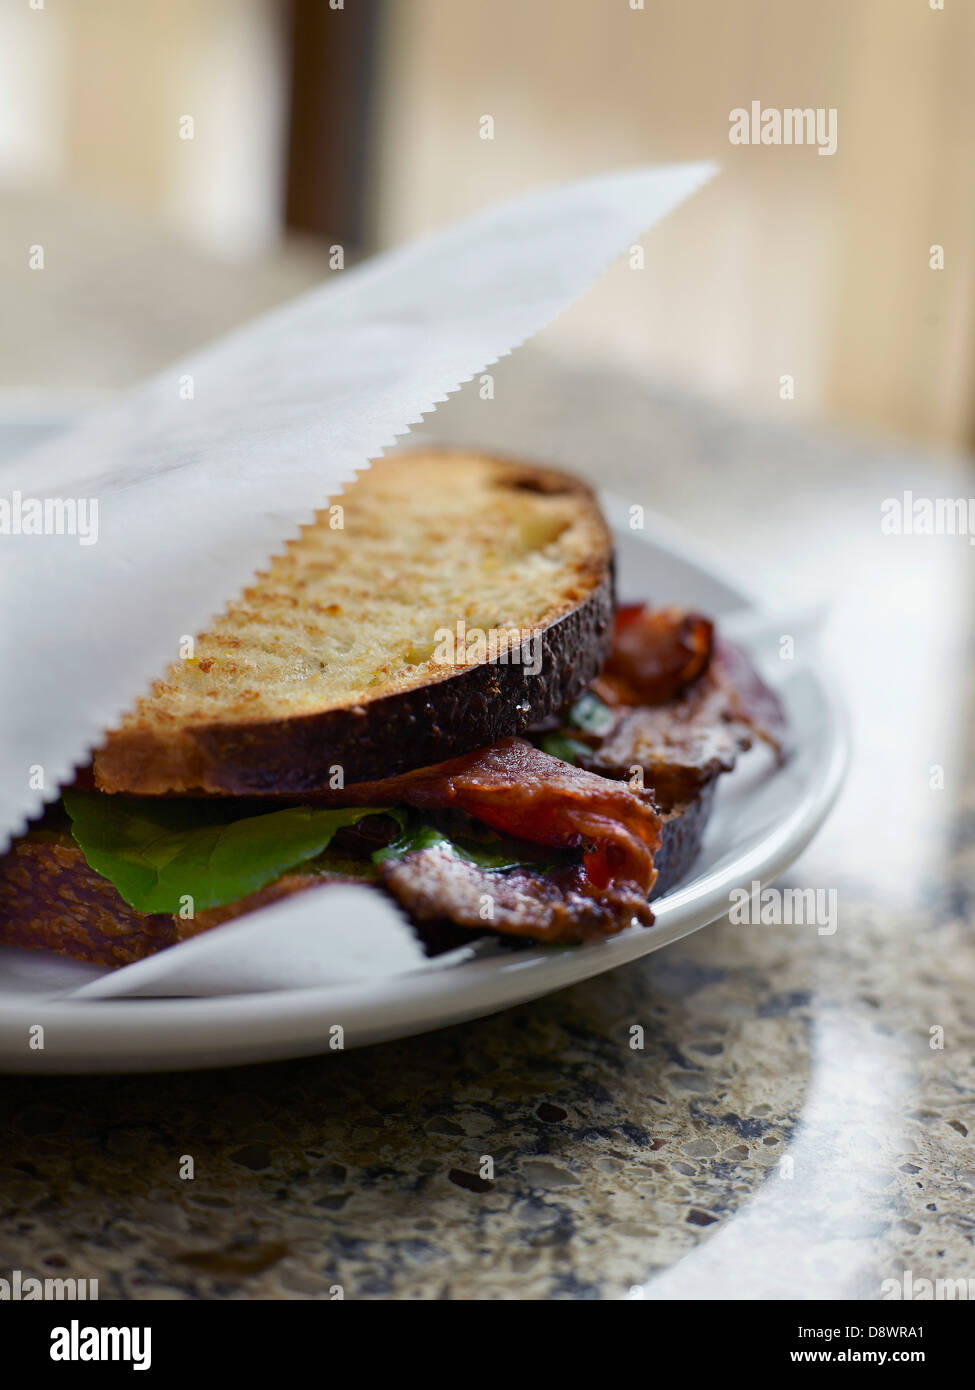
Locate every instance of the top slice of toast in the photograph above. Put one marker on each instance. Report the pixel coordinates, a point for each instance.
(346, 660)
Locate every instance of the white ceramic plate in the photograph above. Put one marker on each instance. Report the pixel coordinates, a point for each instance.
(762, 820)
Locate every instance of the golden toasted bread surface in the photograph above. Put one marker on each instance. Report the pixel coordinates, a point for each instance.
(355, 610)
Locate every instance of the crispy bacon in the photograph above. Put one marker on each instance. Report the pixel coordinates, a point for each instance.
(683, 740)
(656, 654)
(521, 791)
(749, 700)
(558, 905)
(680, 747)
(684, 704)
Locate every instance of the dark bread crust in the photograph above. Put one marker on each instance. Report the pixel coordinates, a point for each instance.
(681, 836)
(473, 708)
(50, 900)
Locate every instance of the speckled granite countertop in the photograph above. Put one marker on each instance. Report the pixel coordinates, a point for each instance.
(788, 1128)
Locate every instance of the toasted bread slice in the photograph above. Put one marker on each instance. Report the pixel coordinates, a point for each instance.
(336, 657)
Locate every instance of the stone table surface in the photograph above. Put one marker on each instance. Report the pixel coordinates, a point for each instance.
(792, 1126)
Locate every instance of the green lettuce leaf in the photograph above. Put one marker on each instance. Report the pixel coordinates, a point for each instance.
(567, 750)
(158, 851)
(592, 715)
(488, 850)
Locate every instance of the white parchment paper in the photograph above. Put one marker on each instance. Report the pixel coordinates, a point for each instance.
(196, 492)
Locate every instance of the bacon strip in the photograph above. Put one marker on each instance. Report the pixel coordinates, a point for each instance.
(434, 886)
(521, 791)
(681, 732)
(749, 700)
(656, 654)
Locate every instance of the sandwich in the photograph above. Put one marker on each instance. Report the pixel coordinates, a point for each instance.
(432, 691)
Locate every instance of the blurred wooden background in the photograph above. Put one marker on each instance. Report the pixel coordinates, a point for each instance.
(362, 125)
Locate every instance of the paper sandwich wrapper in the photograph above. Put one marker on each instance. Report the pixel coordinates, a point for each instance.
(195, 494)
